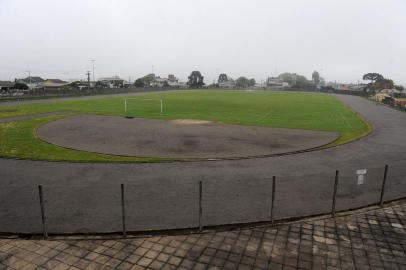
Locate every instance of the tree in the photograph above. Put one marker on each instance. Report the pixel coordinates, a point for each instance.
(378, 82)
(399, 88)
(242, 82)
(195, 79)
(316, 78)
(145, 81)
(139, 83)
(373, 77)
(20, 86)
(381, 84)
(222, 78)
(296, 80)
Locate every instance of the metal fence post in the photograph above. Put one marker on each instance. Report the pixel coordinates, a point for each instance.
(200, 206)
(333, 208)
(385, 174)
(43, 217)
(273, 197)
(123, 211)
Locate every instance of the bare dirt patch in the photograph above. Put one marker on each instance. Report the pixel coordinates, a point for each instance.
(176, 138)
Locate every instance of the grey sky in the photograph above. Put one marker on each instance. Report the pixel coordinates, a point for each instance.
(342, 39)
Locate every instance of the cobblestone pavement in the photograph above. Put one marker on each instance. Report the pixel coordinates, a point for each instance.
(372, 239)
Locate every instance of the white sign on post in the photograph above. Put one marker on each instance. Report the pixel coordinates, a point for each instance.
(361, 176)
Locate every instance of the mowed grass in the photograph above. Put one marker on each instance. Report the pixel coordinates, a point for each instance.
(312, 111)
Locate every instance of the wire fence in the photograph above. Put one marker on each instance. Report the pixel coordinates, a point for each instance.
(133, 207)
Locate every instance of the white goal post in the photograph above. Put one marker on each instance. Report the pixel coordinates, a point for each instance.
(144, 99)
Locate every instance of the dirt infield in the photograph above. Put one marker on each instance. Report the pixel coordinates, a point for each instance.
(183, 138)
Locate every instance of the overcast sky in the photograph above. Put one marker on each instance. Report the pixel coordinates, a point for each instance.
(342, 39)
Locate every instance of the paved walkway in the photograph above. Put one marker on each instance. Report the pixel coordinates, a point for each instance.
(373, 239)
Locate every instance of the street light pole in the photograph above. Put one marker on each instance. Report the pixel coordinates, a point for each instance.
(93, 68)
(29, 77)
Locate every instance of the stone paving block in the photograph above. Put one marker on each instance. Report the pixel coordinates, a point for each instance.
(373, 240)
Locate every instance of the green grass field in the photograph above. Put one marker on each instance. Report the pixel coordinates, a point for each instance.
(313, 111)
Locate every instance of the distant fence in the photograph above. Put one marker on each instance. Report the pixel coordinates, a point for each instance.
(84, 92)
(144, 206)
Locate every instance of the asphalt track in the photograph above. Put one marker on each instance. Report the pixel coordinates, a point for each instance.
(84, 197)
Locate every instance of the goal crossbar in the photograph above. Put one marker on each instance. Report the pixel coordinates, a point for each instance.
(145, 99)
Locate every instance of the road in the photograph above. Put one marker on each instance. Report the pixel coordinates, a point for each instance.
(85, 197)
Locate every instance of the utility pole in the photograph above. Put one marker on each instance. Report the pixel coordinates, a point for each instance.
(88, 80)
(29, 77)
(93, 68)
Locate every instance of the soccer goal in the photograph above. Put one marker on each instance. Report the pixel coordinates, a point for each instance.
(128, 104)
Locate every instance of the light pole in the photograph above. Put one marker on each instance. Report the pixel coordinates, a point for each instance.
(93, 68)
(29, 77)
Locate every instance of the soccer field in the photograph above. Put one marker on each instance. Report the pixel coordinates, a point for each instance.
(310, 111)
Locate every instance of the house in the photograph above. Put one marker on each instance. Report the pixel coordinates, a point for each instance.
(276, 82)
(390, 91)
(6, 85)
(380, 97)
(164, 82)
(32, 82)
(52, 84)
(400, 102)
(159, 82)
(230, 83)
(112, 82)
(172, 80)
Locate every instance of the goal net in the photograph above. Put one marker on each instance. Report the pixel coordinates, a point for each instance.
(143, 106)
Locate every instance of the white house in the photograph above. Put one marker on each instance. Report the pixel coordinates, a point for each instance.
(112, 82)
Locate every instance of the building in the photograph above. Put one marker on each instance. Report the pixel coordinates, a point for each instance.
(53, 84)
(172, 80)
(380, 97)
(32, 82)
(112, 82)
(164, 82)
(6, 85)
(230, 83)
(276, 82)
